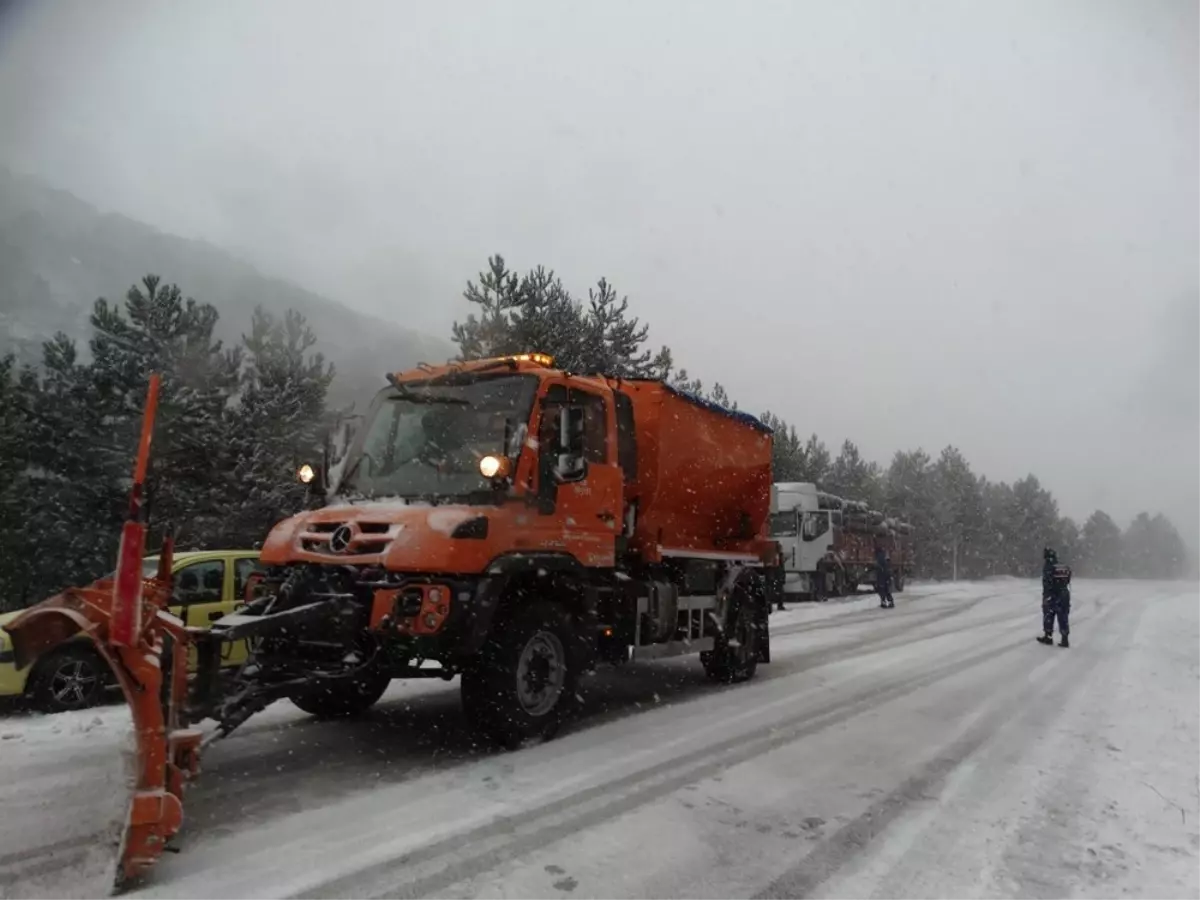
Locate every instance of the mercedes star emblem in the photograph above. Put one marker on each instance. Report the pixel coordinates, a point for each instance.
(339, 541)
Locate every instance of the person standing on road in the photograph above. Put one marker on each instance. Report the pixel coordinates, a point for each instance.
(883, 578)
(1056, 599)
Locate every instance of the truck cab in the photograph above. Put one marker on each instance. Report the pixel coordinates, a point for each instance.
(804, 521)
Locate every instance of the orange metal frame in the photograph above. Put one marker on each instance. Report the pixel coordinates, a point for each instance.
(126, 618)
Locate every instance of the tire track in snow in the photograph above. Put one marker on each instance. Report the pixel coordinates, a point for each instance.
(473, 852)
(58, 856)
(906, 609)
(798, 662)
(427, 734)
(1069, 676)
(64, 855)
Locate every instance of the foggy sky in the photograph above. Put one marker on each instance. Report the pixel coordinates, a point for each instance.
(913, 224)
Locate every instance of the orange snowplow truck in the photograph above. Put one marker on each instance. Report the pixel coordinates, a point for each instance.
(499, 520)
(514, 524)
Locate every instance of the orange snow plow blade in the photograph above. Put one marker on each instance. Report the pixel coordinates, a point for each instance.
(126, 618)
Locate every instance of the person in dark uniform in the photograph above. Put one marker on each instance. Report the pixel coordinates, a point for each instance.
(1056, 599)
(883, 578)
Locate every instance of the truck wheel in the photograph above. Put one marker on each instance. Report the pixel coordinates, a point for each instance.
(70, 678)
(898, 583)
(524, 684)
(736, 658)
(840, 585)
(339, 699)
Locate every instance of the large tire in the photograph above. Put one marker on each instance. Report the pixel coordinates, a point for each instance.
(735, 657)
(524, 684)
(73, 677)
(841, 587)
(898, 583)
(340, 699)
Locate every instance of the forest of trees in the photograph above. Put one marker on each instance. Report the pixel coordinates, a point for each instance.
(235, 421)
(232, 423)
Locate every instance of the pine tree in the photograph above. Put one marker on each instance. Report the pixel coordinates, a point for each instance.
(615, 339)
(958, 549)
(498, 294)
(721, 397)
(535, 312)
(1100, 546)
(815, 461)
(549, 320)
(1033, 523)
(18, 558)
(680, 380)
(65, 492)
(276, 426)
(909, 495)
(787, 453)
(1067, 541)
(854, 478)
(161, 331)
(1152, 548)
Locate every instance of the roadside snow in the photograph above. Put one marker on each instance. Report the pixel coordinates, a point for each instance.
(930, 750)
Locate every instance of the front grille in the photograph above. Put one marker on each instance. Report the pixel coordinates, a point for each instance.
(367, 538)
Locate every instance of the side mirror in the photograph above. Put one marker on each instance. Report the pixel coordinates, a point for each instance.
(570, 464)
(570, 468)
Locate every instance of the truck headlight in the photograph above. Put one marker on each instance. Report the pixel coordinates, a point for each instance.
(493, 466)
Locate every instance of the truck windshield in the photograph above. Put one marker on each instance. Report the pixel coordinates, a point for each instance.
(783, 524)
(425, 441)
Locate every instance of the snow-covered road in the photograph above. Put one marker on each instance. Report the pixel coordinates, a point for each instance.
(930, 750)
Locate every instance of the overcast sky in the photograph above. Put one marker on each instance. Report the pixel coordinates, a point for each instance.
(910, 223)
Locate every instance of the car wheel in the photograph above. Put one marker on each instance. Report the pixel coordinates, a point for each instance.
(68, 679)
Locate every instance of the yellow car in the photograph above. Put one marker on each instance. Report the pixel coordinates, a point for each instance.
(208, 585)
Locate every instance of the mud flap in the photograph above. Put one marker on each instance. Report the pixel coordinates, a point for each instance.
(764, 632)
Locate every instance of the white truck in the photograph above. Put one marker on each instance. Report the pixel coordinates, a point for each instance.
(827, 544)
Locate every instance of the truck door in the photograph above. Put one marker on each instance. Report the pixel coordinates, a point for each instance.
(817, 539)
(580, 505)
(784, 531)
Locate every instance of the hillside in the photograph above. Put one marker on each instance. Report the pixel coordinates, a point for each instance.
(58, 254)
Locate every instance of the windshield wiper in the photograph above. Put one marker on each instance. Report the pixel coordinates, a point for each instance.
(403, 393)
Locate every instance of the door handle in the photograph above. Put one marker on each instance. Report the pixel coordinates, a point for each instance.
(605, 516)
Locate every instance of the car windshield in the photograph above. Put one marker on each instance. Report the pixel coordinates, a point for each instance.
(425, 441)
